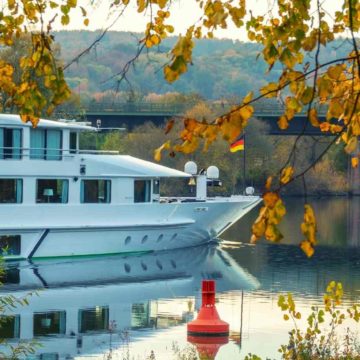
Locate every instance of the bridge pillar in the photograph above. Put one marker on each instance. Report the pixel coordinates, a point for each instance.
(354, 177)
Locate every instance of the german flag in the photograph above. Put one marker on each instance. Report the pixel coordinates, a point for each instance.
(238, 145)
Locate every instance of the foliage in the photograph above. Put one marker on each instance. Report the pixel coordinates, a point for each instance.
(325, 336)
(187, 353)
(38, 64)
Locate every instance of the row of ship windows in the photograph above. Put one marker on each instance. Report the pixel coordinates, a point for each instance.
(57, 191)
(94, 319)
(44, 144)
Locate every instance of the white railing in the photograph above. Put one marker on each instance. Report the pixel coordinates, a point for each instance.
(17, 153)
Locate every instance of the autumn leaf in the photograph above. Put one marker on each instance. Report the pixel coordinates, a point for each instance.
(270, 199)
(309, 229)
(286, 174)
(313, 117)
(158, 151)
(268, 183)
(283, 122)
(355, 161)
(307, 248)
(169, 126)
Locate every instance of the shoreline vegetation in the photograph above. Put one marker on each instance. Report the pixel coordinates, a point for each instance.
(263, 154)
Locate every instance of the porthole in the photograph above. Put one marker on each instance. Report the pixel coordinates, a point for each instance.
(127, 267)
(144, 266)
(144, 239)
(159, 265)
(173, 264)
(127, 240)
(174, 236)
(160, 237)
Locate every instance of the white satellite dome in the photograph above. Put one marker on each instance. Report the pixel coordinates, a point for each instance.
(190, 168)
(212, 172)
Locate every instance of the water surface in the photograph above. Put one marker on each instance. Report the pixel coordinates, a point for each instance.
(130, 307)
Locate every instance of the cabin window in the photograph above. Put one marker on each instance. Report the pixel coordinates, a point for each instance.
(10, 143)
(9, 327)
(156, 187)
(73, 142)
(95, 191)
(142, 191)
(94, 319)
(10, 191)
(11, 275)
(10, 244)
(49, 323)
(45, 144)
(140, 315)
(52, 191)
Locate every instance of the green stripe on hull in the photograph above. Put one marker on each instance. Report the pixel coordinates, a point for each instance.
(85, 256)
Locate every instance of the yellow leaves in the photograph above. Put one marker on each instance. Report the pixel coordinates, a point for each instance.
(308, 228)
(307, 248)
(169, 126)
(29, 118)
(181, 56)
(335, 72)
(141, 4)
(288, 58)
(307, 95)
(269, 217)
(325, 88)
(158, 151)
(270, 90)
(333, 296)
(283, 122)
(355, 161)
(286, 174)
(336, 109)
(154, 39)
(313, 118)
(270, 199)
(351, 145)
(248, 97)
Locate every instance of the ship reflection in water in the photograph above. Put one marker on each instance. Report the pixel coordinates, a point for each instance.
(84, 305)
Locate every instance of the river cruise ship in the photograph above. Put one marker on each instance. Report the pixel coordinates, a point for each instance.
(58, 201)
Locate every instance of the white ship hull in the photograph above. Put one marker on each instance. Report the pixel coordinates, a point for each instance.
(70, 230)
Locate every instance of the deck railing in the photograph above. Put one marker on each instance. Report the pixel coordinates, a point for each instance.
(18, 153)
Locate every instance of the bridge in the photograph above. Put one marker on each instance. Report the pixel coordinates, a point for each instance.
(130, 115)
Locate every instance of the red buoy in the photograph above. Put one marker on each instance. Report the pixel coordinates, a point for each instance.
(208, 347)
(208, 322)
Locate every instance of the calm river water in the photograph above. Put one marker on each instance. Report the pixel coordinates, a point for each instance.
(147, 300)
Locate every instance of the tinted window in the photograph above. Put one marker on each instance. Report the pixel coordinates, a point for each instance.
(95, 191)
(49, 323)
(10, 244)
(142, 191)
(45, 144)
(95, 319)
(52, 191)
(9, 327)
(10, 190)
(10, 143)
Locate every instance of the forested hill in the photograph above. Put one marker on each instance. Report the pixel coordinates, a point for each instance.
(221, 68)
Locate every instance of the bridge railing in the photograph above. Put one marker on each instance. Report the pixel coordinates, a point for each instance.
(262, 107)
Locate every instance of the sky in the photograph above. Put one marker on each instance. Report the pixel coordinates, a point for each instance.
(184, 13)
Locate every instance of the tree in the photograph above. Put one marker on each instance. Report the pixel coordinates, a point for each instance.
(292, 35)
